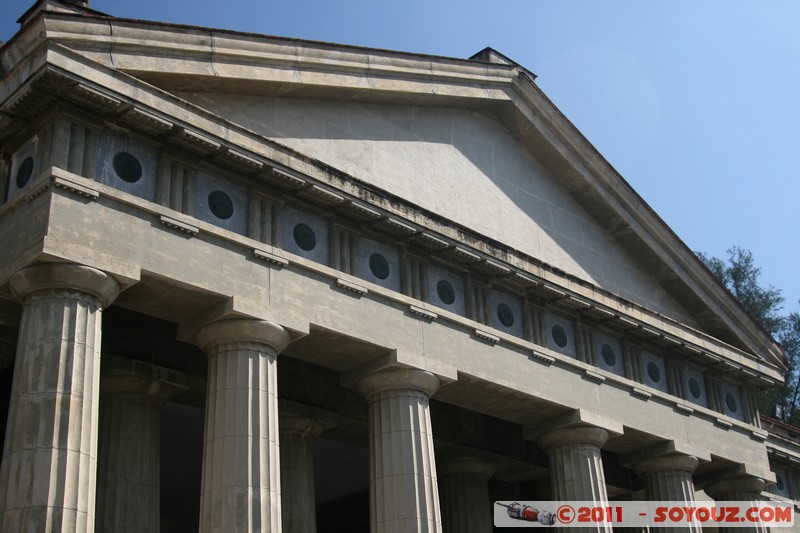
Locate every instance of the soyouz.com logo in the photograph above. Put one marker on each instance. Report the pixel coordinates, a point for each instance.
(639, 513)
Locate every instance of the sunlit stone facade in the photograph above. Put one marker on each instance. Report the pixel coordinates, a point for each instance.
(254, 284)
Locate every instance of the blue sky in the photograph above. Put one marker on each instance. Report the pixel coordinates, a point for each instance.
(696, 103)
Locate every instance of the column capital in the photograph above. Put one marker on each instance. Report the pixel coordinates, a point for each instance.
(64, 276)
(397, 379)
(301, 426)
(565, 436)
(468, 466)
(237, 330)
(666, 463)
(750, 484)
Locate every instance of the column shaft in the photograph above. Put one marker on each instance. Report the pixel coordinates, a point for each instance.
(742, 489)
(466, 507)
(241, 469)
(403, 492)
(675, 485)
(48, 475)
(128, 479)
(297, 474)
(576, 465)
(128, 484)
(669, 478)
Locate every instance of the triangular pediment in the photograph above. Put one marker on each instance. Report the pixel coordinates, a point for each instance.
(474, 142)
(461, 164)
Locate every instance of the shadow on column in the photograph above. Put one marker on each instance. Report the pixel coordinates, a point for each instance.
(5, 400)
(342, 487)
(181, 467)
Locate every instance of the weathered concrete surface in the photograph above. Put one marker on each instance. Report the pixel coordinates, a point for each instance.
(241, 461)
(49, 469)
(404, 494)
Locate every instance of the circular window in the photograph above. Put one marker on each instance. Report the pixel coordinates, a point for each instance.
(304, 237)
(24, 172)
(779, 482)
(505, 315)
(446, 292)
(220, 204)
(128, 167)
(609, 355)
(559, 336)
(730, 401)
(653, 372)
(379, 266)
(694, 388)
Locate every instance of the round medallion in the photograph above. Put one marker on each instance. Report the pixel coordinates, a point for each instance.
(505, 315)
(127, 167)
(446, 292)
(24, 172)
(221, 205)
(609, 355)
(653, 372)
(694, 388)
(559, 336)
(304, 237)
(379, 266)
(731, 403)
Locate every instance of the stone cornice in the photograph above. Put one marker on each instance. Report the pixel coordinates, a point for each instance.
(263, 61)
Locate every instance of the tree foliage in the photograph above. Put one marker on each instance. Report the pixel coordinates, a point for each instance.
(741, 276)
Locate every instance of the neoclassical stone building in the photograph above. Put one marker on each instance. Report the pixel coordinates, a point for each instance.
(257, 284)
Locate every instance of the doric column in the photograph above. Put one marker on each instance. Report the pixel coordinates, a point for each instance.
(669, 478)
(128, 488)
(47, 480)
(576, 467)
(403, 492)
(466, 507)
(745, 489)
(241, 466)
(297, 473)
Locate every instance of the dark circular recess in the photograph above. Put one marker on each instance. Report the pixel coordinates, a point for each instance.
(559, 336)
(609, 355)
(304, 237)
(694, 388)
(731, 402)
(446, 292)
(379, 266)
(24, 172)
(505, 315)
(779, 482)
(127, 167)
(654, 372)
(221, 205)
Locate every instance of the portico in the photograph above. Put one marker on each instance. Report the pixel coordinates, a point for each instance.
(341, 340)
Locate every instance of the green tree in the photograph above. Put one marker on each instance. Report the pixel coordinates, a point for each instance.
(790, 340)
(741, 276)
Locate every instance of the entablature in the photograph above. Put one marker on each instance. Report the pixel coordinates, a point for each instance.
(531, 371)
(290, 178)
